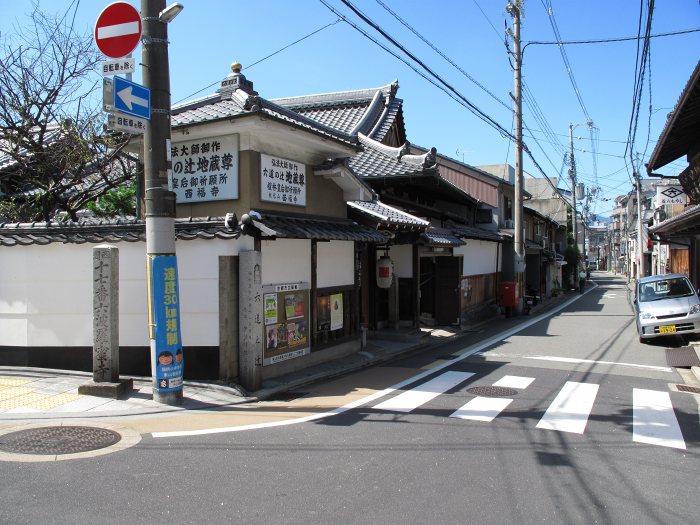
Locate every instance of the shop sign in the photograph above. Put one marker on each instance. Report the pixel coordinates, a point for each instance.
(670, 195)
(282, 180)
(205, 169)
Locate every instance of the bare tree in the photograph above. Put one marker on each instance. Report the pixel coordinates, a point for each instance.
(54, 154)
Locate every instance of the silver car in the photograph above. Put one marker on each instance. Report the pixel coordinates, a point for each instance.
(666, 305)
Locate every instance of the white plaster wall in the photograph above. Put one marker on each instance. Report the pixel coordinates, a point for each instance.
(46, 293)
(479, 257)
(335, 264)
(286, 261)
(402, 257)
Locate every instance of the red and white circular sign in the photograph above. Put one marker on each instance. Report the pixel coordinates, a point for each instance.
(118, 29)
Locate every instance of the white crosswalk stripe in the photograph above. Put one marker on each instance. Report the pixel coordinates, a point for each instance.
(487, 408)
(412, 399)
(654, 420)
(570, 409)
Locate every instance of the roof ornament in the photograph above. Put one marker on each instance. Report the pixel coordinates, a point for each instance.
(235, 81)
(405, 150)
(430, 158)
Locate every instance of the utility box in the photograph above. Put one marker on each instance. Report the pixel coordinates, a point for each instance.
(507, 294)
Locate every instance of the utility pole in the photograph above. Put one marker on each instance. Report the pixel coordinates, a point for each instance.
(163, 294)
(514, 9)
(640, 238)
(572, 174)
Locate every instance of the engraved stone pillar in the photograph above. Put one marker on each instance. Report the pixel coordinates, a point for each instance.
(105, 307)
(105, 312)
(250, 320)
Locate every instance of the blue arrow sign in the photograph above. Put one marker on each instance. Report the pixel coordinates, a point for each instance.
(132, 99)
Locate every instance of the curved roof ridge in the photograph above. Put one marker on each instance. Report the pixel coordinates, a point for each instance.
(338, 96)
(369, 116)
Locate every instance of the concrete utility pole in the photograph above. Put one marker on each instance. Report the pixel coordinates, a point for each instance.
(641, 270)
(572, 174)
(514, 10)
(160, 206)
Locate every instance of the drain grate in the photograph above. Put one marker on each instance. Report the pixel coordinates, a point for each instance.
(58, 440)
(492, 391)
(684, 357)
(689, 389)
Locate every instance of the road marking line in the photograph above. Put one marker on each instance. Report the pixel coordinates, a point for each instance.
(377, 395)
(514, 382)
(421, 394)
(571, 408)
(482, 409)
(653, 420)
(574, 360)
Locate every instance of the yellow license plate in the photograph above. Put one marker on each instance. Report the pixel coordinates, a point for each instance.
(670, 329)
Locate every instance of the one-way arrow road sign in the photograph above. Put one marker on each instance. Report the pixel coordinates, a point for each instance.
(132, 99)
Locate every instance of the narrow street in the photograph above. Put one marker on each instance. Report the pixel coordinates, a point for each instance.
(571, 420)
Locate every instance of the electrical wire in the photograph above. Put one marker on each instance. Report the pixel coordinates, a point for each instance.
(444, 86)
(443, 55)
(608, 40)
(264, 58)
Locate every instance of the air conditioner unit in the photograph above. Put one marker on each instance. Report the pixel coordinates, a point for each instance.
(509, 224)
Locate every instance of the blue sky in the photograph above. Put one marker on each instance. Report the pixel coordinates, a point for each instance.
(210, 34)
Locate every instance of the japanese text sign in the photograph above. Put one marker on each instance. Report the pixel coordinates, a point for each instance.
(205, 169)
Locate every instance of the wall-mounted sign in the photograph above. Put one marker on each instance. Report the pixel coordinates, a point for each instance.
(205, 169)
(670, 195)
(286, 314)
(282, 180)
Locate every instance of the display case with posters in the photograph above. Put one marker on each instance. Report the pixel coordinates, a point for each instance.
(286, 315)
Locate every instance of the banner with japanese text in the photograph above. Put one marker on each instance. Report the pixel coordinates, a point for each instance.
(169, 363)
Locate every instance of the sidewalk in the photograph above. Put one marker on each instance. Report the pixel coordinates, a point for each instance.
(39, 394)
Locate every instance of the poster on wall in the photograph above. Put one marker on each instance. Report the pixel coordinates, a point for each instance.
(204, 169)
(282, 180)
(286, 322)
(336, 311)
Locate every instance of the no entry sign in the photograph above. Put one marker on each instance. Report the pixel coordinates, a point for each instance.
(118, 29)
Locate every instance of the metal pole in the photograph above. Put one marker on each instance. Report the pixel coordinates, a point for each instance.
(514, 11)
(160, 203)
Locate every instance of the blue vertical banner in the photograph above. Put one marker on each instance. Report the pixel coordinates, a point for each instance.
(169, 365)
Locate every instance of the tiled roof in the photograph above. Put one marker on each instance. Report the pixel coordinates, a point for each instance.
(368, 111)
(386, 215)
(272, 225)
(474, 232)
(440, 237)
(237, 104)
(378, 160)
(113, 231)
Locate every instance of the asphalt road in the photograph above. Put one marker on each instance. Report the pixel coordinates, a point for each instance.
(586, 428)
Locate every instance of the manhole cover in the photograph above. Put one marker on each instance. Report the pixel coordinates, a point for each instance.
(689, 389)
(58, 440)
(492, 391)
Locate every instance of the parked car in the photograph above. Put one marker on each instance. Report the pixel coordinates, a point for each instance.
(666, 305)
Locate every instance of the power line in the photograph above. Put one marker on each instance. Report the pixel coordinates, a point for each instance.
(443, 55)
(550, 12)
(609, 40)
(444, 85)
(265, 58)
